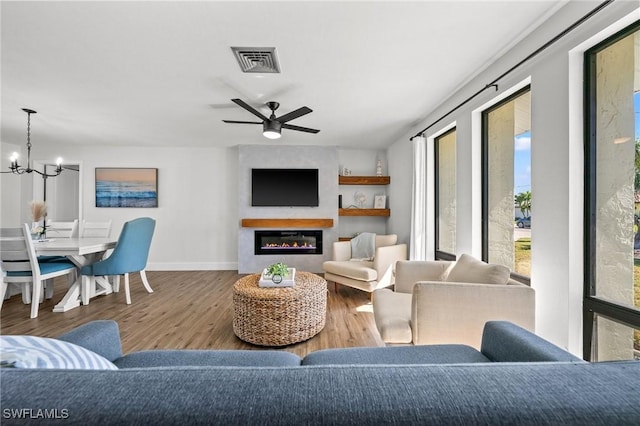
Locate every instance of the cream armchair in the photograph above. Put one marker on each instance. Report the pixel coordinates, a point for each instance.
(440, 302)
(364, 274)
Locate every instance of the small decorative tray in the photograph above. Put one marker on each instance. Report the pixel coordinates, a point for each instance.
(287, 281)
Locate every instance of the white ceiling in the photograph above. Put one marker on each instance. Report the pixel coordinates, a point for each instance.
(162, 73)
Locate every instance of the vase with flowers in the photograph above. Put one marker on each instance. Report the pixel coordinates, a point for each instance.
(38, 218)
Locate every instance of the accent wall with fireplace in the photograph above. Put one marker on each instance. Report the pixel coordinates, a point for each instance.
(300, 236)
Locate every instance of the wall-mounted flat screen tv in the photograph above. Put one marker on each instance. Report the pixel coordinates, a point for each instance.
(284, 187)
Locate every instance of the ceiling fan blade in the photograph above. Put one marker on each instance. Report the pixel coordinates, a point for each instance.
(294, 114)
(249, 108)
(221, 106)
(300, 129)
(242, 122)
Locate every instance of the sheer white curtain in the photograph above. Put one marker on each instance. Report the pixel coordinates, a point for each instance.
(418, 243)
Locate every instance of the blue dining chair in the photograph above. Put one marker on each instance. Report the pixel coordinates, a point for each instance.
(129, 255)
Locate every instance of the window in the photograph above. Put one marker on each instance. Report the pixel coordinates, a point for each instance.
(612, 198)
(445, 196)
(506, 184)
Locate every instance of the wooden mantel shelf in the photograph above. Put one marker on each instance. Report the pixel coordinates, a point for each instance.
(287, 223)
(364, 180)
(364, 212)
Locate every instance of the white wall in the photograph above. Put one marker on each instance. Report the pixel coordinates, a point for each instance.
(11, 197)
(198, 196)
(399, 157)
(196, 225)
(556, 77)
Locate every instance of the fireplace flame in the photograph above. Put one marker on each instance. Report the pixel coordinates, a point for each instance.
(293, 245)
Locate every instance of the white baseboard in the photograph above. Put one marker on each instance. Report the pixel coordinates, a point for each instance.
(195, 266)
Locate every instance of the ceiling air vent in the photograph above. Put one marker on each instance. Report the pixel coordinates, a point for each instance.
(257, 59)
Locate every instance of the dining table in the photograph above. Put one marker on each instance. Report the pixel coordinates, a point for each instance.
(81, 251)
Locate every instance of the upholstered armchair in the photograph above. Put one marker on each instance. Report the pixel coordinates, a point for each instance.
(365, 274)
(440, 302)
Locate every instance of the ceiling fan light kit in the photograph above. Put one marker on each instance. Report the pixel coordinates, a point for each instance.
(272, 126)
(271, 129)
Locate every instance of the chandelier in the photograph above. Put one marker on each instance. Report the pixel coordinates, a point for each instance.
(17, 168)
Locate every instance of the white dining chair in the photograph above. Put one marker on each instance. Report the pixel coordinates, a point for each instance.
(20, 265)
(62, 229)
(58, 229)
(95, 229)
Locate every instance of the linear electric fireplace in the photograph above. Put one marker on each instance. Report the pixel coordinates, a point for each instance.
(288, 242)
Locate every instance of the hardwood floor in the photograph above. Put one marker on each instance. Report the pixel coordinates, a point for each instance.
(188, 310)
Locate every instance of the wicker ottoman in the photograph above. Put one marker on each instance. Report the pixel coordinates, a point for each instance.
(279, 316)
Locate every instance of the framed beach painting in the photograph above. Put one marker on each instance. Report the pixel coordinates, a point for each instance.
(126, 187)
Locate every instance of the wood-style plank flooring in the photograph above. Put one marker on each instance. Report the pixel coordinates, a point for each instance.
(188, 310)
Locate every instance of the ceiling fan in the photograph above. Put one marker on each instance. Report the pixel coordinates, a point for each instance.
(272, 125)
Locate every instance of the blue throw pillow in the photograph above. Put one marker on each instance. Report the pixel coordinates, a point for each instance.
(42, 352)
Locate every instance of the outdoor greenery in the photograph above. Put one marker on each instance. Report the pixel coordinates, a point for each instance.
(523, 256)
(636, 297)
(523, 201)
(523, 245)
(637, 180)
(636, 261)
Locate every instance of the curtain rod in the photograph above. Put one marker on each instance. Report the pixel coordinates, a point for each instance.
(536, 52)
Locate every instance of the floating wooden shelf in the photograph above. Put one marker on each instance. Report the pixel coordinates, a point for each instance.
(287, 223)
(364, 180)
(364, 212)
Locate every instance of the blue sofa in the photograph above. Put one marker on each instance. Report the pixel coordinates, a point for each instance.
(516, 378)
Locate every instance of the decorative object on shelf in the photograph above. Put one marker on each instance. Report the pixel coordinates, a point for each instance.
(359, 198)
(17, 169)
(277, 275)
(379, 167)
(126, 187)
(346, 172)
(379, 201)
(355, 210)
